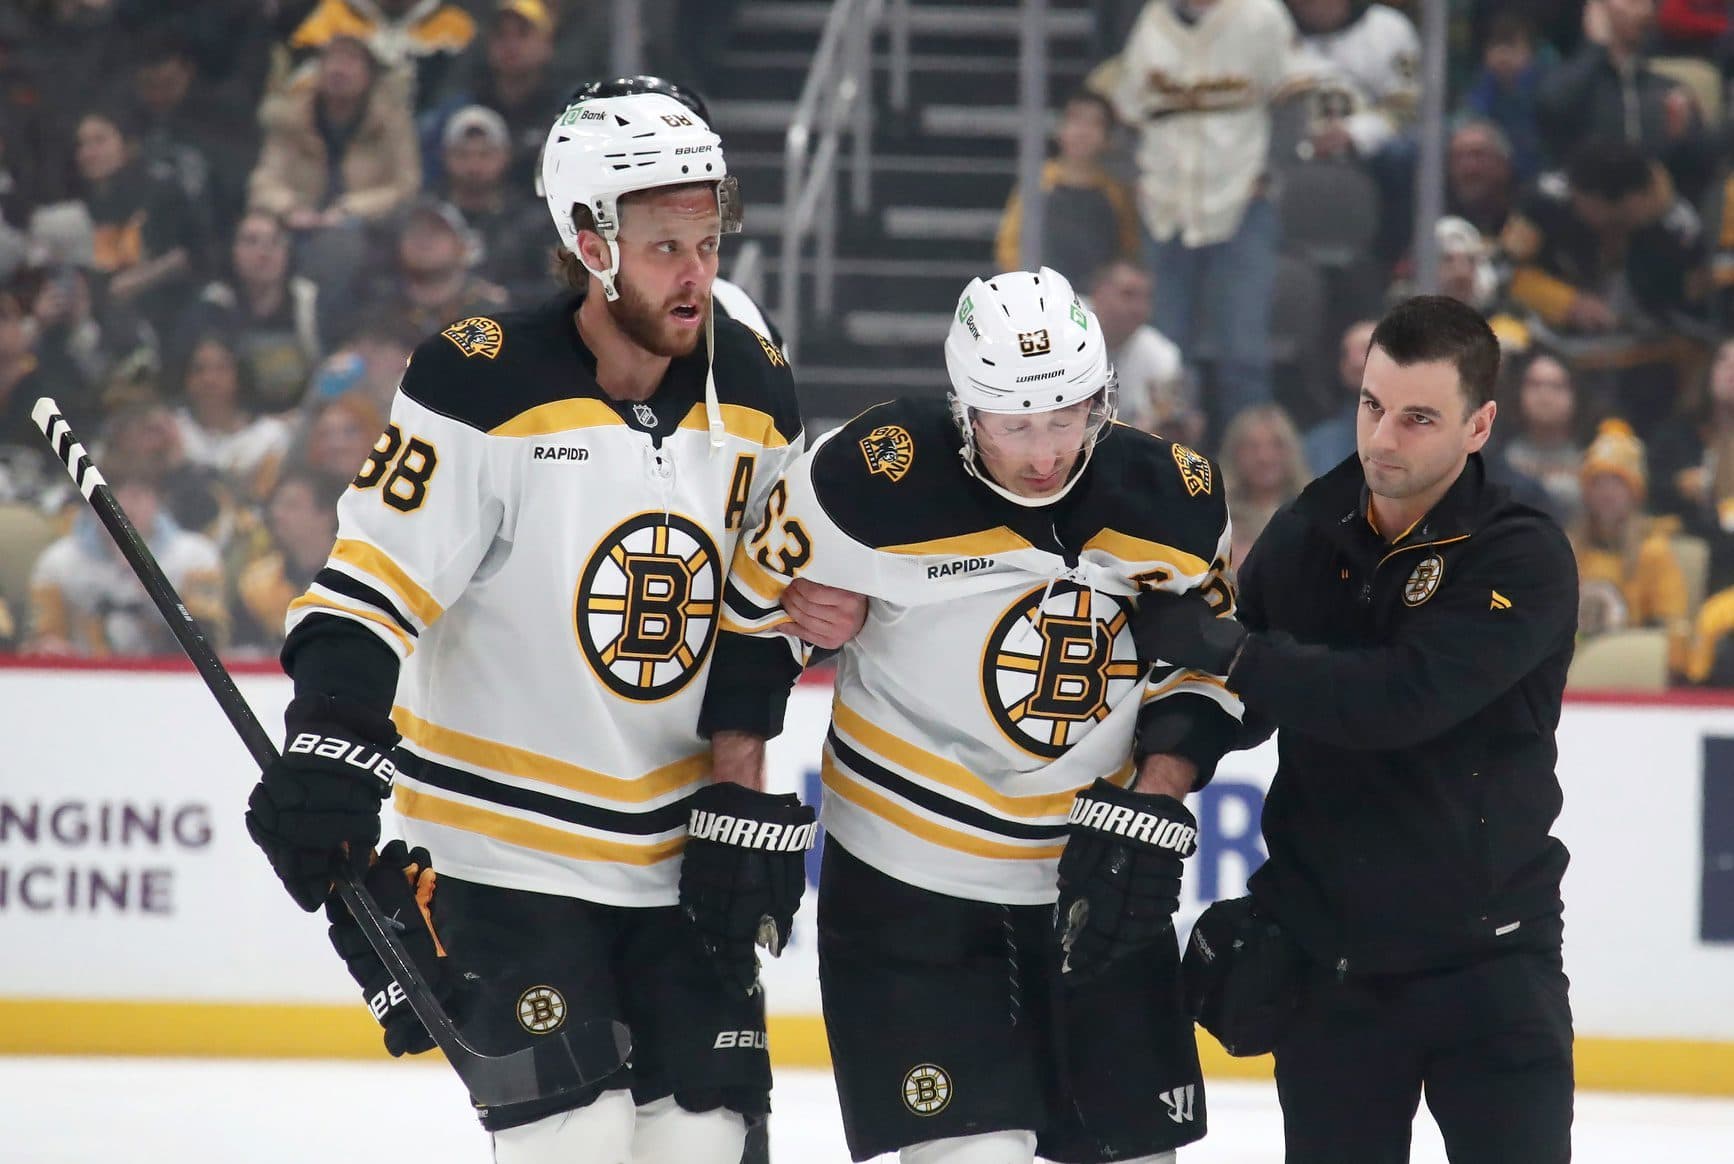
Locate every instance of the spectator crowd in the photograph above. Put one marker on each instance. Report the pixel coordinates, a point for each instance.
(1269, 151)
(219, 260)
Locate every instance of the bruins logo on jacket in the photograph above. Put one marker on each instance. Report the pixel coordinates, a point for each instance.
(476, 336)
(1194, 470)
(1053, 669)
(889, 450)
(1423, 580)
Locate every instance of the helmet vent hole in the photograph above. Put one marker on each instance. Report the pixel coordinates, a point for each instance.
(989, 362)
(1026, 404)
(686, 169)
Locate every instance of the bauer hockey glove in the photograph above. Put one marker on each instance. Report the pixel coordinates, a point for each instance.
(402, 882)
(1119, 875)
(317, 804)
(743, 873)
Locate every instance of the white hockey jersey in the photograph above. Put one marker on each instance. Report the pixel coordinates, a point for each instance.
(549, 566)
(996, 674)
(1199, 96)
(1379, 53)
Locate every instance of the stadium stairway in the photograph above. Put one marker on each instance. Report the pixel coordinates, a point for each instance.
(941, 172)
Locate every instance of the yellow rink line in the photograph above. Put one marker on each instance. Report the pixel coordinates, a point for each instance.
(58, 1026)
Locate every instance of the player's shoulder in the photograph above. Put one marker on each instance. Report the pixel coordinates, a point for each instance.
(1156, 490)
(753, 373)
(485, 369)
(891, 476)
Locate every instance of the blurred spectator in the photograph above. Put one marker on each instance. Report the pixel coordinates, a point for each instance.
(1466, 270)
(1263, 469)
(1155, 394)
(26, 467)
(1480, 179)
(33, 159)
(301, 522)
(1197, 81)
(85, 599)
(1607, 91)
(1692, 467)
(508, 221)
(1606, 246)
(337, 436)
(187, 135)
(217, 428)
(434, 282)
(148, 239)
(1544, 445)
(1088, 218)
(370, 364)
(338, 153)
(516, 79)
(424, 36)
(1627, 570)
(1504, 92)
(1377, 50)
(72, 337)
(270, 317)
(1332, 440)
(140, 440)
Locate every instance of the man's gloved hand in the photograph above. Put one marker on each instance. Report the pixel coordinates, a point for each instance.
(317, 804)
(1119, 875)
(402, 883)
(743, 873)
(1182, 629)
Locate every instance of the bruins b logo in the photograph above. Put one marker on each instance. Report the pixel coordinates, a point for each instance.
(476, 336)
(646, 607)
(1053, 670)
(889, 450)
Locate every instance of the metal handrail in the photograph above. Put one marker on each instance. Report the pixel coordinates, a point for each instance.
(836, 97)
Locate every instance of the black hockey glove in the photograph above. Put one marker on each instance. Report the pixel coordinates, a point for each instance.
(319, 800)
(402, 882)
(743, 873)
(1119, 875)
(1182, 629)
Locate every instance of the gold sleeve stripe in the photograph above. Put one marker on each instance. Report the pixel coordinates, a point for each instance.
(419, 805)
(1137, 551)
(378, 563)
(558, 416)
(741, 422)
(761, 583)
(497, 757)
(998, 540)
(741, 628)
(844, 785)
(946, 772)
(332, 606)
(1168, 683)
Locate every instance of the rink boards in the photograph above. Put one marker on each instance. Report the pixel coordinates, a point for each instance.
(137, 918)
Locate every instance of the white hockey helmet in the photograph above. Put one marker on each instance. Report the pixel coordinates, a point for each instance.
(1023, 342)
(602, 148)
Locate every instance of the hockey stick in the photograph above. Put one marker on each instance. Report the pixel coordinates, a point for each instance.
(556, 1064)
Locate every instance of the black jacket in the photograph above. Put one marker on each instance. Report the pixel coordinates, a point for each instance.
(1416, 687)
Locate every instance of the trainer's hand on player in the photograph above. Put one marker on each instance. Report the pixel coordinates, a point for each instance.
(1183, 629)
(317, 805)
(743, 873)
(402, 882)
(823, 615)
(1119, 875)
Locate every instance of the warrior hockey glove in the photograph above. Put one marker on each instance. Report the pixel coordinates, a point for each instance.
(1183, 629)
(1119, 875)
(402, 882)
(319, 800)
(742, 875)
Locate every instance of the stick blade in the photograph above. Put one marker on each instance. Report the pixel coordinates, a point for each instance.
(558, 1064)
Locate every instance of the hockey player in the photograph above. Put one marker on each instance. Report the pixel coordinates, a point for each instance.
(1003, 780)
(527, 581)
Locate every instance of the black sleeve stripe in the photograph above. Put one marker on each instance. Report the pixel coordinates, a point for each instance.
(362, 592)
(639, 824)
(943, 806)
(736, 600)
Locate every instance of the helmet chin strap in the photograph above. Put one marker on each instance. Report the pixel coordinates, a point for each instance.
(712, 409)
(609, 291)
(974, 469)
